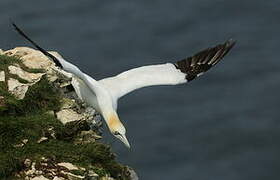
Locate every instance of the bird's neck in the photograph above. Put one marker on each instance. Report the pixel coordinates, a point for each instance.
(112, 120)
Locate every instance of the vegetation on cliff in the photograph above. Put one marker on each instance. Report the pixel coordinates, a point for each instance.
(24, 121)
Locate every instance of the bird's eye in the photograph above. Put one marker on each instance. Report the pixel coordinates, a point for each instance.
(116, 133)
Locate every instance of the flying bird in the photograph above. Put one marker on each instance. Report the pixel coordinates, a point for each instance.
(103, 94)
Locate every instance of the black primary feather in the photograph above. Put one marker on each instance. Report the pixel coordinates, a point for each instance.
(53, 58)
(201, 62)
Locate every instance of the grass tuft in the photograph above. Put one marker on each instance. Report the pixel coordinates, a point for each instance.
(40, 97)
(6, 61)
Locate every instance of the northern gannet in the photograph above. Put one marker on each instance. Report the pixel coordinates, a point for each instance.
(103, 94)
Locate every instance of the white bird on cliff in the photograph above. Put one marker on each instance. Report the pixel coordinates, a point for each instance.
(103, 95)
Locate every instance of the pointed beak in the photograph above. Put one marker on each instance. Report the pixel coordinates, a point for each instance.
(125, 141)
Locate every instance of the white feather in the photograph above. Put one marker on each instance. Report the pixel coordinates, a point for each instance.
(124, 83)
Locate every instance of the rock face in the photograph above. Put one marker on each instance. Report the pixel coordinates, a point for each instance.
(30, 77)
(82, 121)
(68, 115)
(2, 76)
(34, 59)
(30, 57)
(16, 88)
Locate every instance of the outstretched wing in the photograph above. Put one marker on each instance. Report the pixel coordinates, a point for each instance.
(62, 63)
(167, 74)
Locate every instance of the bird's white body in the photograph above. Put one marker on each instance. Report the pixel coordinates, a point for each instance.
(84, 93)
(89, 90)
(90, 98)
(103, 95)
(112, 88)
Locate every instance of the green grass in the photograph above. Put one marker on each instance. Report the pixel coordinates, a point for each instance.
(6, 61)
(29, 119)
(39, 97)
(14, 129)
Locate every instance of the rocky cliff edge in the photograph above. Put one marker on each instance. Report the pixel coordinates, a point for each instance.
(46, 132)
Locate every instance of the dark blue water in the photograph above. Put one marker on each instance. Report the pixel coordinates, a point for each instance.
(223, 126)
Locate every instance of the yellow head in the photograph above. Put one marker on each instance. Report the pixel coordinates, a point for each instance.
(117, 128)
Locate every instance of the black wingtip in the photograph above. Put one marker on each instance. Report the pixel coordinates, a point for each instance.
(227, 46)
(230, 43)
(14, 25)
(17, 28)
(202, 61)
(12, 22)
(53, 58)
